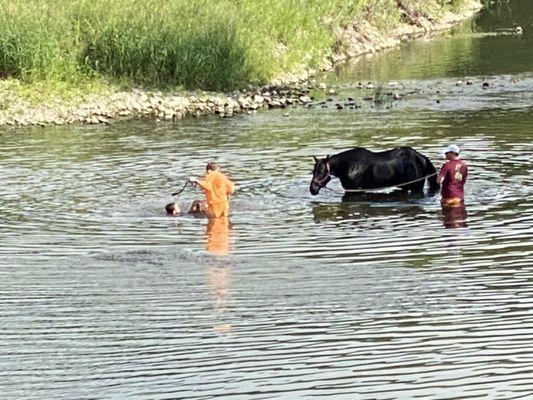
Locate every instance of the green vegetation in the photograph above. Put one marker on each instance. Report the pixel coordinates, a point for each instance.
(379, 95)
(200, 44)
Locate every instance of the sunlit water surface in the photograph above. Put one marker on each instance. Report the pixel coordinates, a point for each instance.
(374, 297)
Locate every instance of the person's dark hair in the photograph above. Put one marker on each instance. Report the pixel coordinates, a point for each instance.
(170, 207)
(211, 166)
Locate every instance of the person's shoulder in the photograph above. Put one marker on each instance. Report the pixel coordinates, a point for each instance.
(218, 175)
(229, 180)
(223, 175)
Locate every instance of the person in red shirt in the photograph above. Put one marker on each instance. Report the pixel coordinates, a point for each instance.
(452, 177)
(217, 188)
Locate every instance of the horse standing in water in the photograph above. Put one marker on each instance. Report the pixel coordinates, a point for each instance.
(360, 169)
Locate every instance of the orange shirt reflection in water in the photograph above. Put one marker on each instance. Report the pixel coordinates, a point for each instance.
(219, 274)
(218, 236)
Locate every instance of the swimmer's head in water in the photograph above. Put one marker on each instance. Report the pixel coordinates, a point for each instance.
(211, 166)
(198, 207)
(172, 208)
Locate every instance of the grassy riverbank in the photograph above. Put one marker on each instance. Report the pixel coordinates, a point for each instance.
(204, 44)
(62, 49)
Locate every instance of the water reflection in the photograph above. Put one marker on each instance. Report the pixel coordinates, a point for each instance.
(396, 205)
(218, 233)
(478, 48)
(116, 303)
(454, 216)
(396, 195)
(369, 205)
(219, 280)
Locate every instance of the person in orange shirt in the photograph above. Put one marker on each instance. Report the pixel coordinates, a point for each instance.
(217, 188)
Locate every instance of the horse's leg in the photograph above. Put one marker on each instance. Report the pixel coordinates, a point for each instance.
(411, 173)
(419, 168)
(417, 187)
(419, 178)
(431, 173)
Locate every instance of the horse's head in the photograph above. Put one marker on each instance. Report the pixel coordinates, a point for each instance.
(321, 175)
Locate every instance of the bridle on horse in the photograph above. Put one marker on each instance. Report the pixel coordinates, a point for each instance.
(323, 182)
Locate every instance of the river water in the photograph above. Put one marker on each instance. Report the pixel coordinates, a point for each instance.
(103, 296)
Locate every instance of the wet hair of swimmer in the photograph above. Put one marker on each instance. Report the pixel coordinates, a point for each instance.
(211, 166)
(172, 208)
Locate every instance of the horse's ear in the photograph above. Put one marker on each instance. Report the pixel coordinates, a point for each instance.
(327, 157)
(314, 158)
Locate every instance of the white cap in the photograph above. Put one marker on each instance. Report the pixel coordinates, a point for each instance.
(452, 149)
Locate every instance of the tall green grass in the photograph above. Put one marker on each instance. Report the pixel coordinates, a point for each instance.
(199, 44)
(32, 46)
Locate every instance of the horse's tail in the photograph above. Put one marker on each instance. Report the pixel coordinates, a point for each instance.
(434, 187)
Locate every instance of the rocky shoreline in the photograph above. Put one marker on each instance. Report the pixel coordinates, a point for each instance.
(289, 90)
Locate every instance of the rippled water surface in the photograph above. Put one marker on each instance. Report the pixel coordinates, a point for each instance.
(378, 296)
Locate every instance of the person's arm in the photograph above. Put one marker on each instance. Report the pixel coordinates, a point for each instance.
(442, 174)
(230, 187)
(203, 183)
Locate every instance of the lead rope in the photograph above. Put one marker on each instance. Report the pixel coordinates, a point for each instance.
(182, 189)
(381, 188)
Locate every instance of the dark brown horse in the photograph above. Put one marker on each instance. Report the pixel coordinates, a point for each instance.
(362, 169)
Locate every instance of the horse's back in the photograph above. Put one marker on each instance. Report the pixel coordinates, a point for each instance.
(401, 151)
(358, 154)
(355, 152)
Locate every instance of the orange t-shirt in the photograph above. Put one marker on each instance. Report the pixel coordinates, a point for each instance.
(217, 187)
